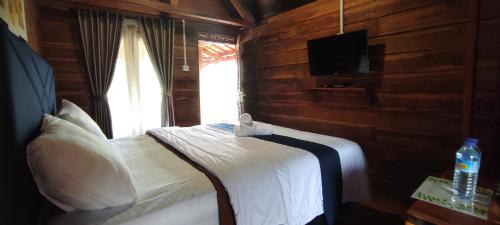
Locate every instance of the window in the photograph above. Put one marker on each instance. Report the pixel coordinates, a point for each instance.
(135, 93)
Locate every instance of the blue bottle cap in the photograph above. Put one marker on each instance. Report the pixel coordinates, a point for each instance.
(471, 141)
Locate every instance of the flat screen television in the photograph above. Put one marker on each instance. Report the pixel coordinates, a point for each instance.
(340, 54)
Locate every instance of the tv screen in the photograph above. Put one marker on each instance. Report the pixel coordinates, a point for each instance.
(340, 54)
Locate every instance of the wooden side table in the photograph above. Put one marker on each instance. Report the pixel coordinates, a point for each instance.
(423, 213)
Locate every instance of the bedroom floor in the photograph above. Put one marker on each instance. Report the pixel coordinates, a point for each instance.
(357, 214)
(387, 204)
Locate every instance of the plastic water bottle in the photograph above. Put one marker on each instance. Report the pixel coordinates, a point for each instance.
(466, 171)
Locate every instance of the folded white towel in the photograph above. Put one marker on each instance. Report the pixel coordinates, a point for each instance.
(263, 129)
(242, 131)
(248, 128)
(246, 119)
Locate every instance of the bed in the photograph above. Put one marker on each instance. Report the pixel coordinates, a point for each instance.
(171, 187)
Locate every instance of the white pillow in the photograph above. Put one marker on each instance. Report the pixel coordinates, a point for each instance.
(76, 170)
(72, 113)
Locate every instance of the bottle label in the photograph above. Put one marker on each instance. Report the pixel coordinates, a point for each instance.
(467, 166)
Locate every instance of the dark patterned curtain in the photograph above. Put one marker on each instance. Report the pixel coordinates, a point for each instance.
(100, 33)
(159, 38)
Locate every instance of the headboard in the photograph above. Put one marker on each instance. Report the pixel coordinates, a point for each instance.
(27, 92)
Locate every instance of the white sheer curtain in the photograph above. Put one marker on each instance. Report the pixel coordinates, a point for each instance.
(135, 95)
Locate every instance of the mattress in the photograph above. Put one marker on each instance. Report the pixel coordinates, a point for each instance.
(170, 191)
(355, 185)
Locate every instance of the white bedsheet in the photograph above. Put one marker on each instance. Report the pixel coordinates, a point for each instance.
(173, 192)
(170, 191)
(268, 183)
(355, 185)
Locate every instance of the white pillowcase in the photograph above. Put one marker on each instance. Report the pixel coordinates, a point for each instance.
(76, 170)
(72, 113)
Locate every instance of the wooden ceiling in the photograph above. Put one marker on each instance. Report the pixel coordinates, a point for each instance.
(261, 9)
(211, 52)
(238, 13)
(211, 11)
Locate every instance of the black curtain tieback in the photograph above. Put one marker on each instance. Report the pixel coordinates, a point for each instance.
(101, 98)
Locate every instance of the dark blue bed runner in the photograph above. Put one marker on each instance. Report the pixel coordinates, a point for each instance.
(329, 162)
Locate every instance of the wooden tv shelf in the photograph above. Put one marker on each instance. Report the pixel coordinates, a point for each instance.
(347, 90)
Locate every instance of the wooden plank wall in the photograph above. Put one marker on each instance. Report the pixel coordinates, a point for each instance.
(186, 84)
(486, 103)
(409, 120)
(248, 70)
(61, 43)
(209, 6)
(31, 11)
